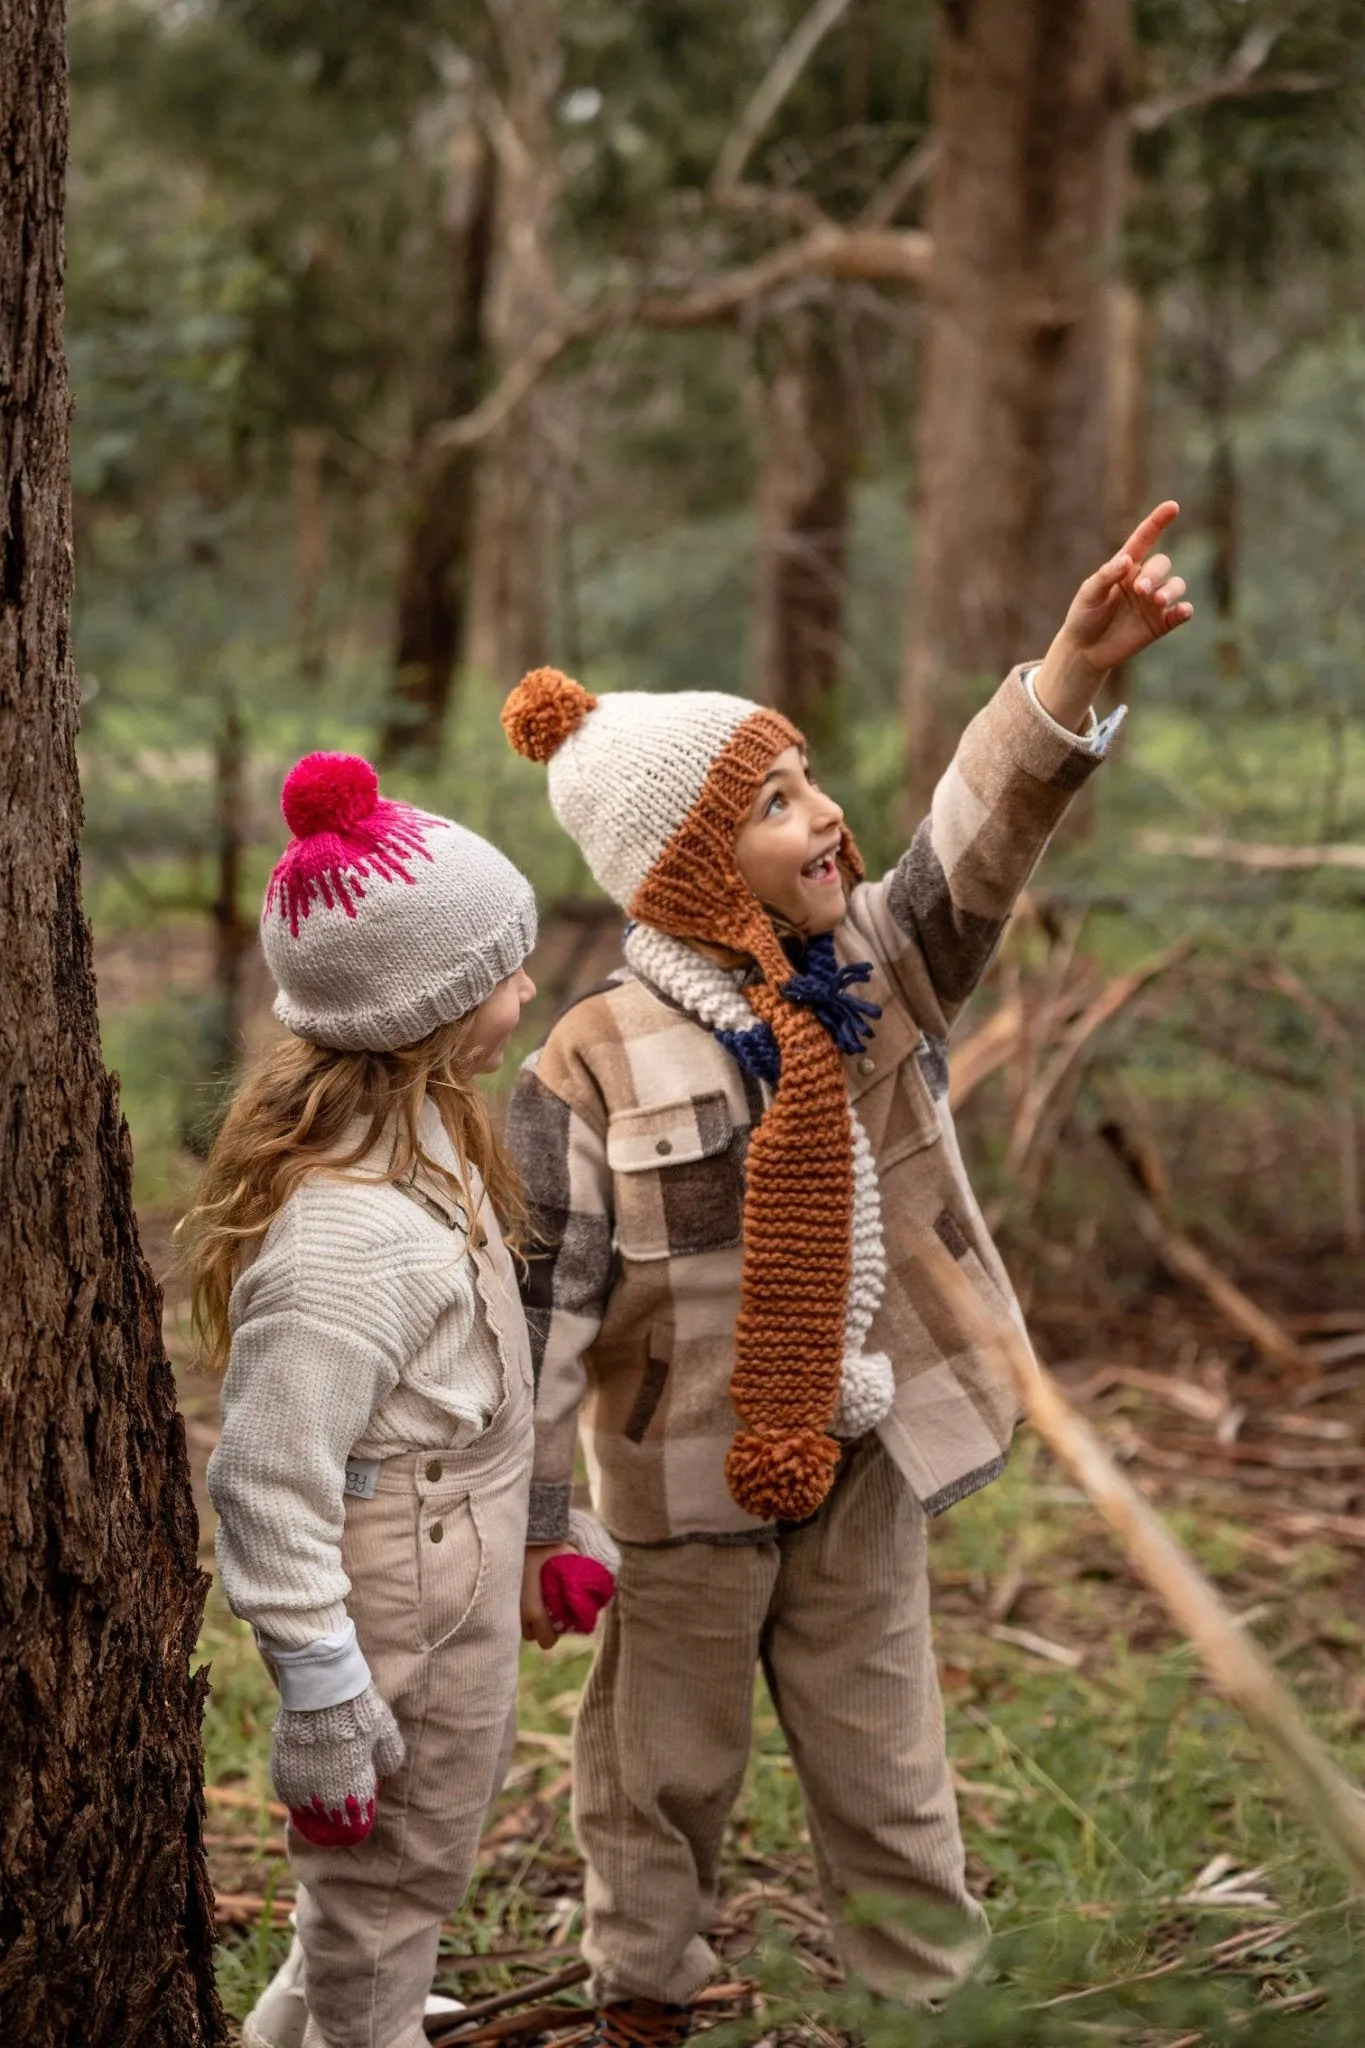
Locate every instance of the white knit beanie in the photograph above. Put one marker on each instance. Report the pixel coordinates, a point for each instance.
(381, 921)
(624, 770)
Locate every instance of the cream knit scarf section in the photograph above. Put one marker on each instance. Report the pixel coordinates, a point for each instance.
(713, 996)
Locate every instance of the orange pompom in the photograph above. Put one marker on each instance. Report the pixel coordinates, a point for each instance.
(781, 1475)
(543, 710)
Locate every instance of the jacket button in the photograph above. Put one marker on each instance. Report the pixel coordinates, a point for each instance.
(437, 1532)
(867, 1065)
(434, 1470)
(664, 1146)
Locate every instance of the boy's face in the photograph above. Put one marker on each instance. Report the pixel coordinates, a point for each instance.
(788, 847)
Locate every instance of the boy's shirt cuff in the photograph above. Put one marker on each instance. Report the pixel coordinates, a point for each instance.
(1099, 733)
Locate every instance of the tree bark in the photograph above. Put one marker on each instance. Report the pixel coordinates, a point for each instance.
(809, 434)
(434, 582)
(1221, 503)
(1025, 209)
(106, 1919)
(509, 600)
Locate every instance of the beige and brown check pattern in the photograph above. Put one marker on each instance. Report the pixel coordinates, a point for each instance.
(630, 1127)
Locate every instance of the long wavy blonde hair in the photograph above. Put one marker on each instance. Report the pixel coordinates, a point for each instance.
(294, 1115)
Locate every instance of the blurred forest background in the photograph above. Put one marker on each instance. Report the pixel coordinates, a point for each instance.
(813, 352)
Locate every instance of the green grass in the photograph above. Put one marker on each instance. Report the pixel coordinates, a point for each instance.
(1091, 1799)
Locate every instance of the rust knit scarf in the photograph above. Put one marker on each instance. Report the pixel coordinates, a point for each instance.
(798, 1209)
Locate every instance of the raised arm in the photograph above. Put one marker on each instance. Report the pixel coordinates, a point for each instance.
(937, 919)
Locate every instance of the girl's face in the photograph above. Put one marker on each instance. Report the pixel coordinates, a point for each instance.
(496, 1018)
(788, 846)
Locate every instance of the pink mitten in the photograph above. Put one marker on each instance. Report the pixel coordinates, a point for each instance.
(575, 1590)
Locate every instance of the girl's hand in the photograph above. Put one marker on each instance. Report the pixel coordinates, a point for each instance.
(1132, 601)
(536, 1626)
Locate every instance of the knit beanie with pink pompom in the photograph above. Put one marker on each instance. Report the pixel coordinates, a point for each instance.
(381, 921)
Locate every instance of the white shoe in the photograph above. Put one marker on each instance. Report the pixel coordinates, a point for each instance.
(279, 2017)
(280, 2014)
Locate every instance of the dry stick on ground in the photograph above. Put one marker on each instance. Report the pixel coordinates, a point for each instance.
(1137, 1155)
(1234, 1662)
(1039, 1108)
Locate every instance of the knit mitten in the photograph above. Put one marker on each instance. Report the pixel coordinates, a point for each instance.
(325, 1762)
(575, 1588)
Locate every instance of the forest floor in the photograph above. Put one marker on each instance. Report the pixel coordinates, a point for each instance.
(1144, 1879)
(1126, 1835)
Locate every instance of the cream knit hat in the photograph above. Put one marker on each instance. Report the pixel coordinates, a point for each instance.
(381, 921)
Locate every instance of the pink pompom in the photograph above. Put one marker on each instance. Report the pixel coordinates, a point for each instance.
(328, 793)
(575, 1590)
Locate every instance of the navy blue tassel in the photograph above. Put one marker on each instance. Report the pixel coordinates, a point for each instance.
(822, 987)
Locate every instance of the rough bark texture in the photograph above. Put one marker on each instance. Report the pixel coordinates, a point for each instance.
(1026, 206)
(809, 444)
(433, 586)
(105, 1906)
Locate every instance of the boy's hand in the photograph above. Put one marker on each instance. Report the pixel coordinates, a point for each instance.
(1133, 600)
(536, 1626)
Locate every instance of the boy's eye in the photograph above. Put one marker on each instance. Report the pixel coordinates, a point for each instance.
(770, 808)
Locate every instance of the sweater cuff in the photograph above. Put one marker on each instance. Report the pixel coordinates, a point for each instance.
(548, 1521)
(324, 1673)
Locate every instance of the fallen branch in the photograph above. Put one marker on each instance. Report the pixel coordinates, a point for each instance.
(1250, 854)
(539, 1988)
(244, 1909)
(1323, 1795)
(1137, 1156)
(244, 1802)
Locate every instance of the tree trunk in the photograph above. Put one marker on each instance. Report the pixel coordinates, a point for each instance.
(1221, 508)
(809, 433)
(509, 600)
(433, 587)
(307, 446)
(1025, 210)
(105, 1906)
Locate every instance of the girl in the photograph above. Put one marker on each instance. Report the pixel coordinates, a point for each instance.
(742, 1167)
(371, 1476)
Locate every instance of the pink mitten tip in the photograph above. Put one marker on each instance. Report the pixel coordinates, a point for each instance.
(575, 1590)
(331, 1828)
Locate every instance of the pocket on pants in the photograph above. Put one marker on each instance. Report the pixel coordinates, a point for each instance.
(450, 1569)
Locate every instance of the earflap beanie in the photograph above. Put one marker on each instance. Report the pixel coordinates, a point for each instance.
(655, 790)
(381, 921)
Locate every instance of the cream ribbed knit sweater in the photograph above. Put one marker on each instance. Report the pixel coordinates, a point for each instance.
(357, 1332)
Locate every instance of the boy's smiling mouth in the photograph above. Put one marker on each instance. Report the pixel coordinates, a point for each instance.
(824, 869)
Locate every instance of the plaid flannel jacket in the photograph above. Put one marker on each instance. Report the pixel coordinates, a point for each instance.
(630, 1128)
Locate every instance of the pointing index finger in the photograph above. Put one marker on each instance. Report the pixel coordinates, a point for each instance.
(1148, 531)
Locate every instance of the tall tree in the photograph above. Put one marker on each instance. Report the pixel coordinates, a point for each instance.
(434, 576)
(808, 448)
(105, 1907)
(1031, 114)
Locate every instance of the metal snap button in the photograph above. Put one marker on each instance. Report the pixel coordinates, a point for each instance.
(665, 1146)
(867, 1065)
(434, 1470)
(437, 1532)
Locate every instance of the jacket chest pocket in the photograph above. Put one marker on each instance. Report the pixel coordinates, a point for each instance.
(887, 1082)
(677, 1178)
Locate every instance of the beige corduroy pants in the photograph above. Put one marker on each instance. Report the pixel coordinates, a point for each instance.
(435, 1564)
(837, 1612)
